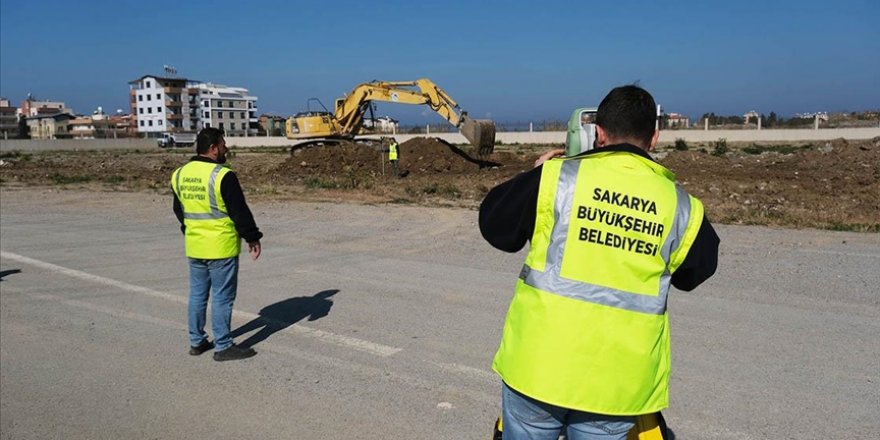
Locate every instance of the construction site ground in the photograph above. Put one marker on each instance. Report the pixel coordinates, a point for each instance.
(825, 184)
(376, 306)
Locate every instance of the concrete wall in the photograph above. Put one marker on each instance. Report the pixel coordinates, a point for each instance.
(558, 137)
(547, 137)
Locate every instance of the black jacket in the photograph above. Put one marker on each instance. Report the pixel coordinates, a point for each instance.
(507, 221)
(236, 206)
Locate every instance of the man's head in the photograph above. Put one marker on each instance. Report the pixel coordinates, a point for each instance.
(210, 143)
(627, 115)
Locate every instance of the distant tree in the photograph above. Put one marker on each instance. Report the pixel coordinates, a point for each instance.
(772, 120)
(24, 131)
(664, 122)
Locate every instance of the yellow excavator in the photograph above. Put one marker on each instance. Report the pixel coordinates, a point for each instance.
(346, 122)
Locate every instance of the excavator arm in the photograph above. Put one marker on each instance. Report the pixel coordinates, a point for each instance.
(350, 110)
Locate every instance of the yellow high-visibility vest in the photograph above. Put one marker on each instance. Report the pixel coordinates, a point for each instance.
(587, 328)
(210, 233)
(392, 151)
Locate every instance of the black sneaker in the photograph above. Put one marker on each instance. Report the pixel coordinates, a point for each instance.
(201, 348)
(234, 353)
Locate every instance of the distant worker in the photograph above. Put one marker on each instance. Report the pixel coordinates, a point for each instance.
(585, 345)
(392, 155)
(214, 217)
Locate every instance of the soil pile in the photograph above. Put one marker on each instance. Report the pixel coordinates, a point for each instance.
(833, 185)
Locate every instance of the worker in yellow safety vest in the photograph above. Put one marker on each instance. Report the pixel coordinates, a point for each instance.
(392, 155)
(214, 217)
(585, 347)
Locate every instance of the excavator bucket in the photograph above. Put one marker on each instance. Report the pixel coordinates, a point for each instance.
(480, 133)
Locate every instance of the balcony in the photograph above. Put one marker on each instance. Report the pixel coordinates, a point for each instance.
(176, 90)
(169, 103)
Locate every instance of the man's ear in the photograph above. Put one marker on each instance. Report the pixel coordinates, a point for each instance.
(654, 140)
(601, 136)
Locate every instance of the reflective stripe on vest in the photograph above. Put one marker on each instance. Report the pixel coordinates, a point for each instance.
(550, 281)
(212, 197)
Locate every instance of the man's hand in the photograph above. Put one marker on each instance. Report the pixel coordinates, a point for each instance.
(549, 155)
(254, 248)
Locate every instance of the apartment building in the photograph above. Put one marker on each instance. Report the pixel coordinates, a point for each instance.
(8, 119)
(230, 109)
(169, 104)
(271, 125)
(51, 126)
(34, 107)
(162, 104)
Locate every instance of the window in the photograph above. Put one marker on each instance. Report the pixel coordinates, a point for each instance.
(219, 115)
(207, 115)
(232, 125)
(242, 115)
(150, 110)
(148, 84)
(221, 126)
(219, 103)
(160, 122)
(207, 125)
(142, 123)
(158, 109)
(158, 96)
(150, 123)
(140, 97)
(206, 103)
(141, 110)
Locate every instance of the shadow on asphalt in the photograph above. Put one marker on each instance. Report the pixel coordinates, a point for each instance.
(276, 317)
(3, 273)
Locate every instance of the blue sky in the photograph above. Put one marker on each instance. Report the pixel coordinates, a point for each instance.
(508, 60)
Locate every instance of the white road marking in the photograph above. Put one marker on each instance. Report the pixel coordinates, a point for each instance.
(345, 341)
(473, 373)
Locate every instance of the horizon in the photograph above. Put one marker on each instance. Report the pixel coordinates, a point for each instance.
(514, 62)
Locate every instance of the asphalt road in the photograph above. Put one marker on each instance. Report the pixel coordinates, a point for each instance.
(398, 312)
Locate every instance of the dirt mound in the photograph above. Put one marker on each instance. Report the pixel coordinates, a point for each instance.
(346, 158)
(833, 184)
(416, 156)
(432, 156)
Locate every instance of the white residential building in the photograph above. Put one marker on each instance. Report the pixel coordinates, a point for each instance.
(168, 104)
(382, 124)
(230, 109)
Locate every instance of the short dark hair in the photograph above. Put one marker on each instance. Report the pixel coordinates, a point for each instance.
(207, 137)
(628, 112)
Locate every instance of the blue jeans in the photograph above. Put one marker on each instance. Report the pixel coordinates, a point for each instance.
(527, 418)
(221, 277)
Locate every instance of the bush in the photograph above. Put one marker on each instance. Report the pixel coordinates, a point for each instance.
(681, 144)
(315, 182)
(720, 147)
(753, 149)
(113, 179)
